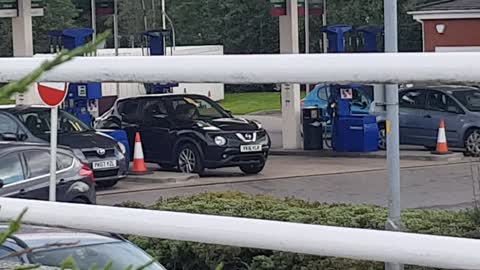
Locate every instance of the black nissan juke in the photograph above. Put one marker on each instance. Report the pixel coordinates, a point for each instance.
(190, 132)
(102, 153)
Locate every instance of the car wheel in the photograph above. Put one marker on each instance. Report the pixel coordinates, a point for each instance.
(106, 184)
(472, 143)
(252, 169)
(189, 160)
(382, 136)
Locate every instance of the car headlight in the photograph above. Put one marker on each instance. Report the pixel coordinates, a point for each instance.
(79, 154)
(220, 141)
(122, 148)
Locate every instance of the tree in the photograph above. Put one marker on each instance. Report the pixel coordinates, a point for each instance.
(5, 37)
(59, 15)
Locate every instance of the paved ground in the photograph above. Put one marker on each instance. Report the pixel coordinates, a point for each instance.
(425, 184)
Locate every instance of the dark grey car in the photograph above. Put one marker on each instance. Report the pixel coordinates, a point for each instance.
(89, 249)
(102, 153)
(25, 174)
(422, 109)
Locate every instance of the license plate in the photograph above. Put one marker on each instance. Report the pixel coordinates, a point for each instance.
(250, 148)
(106, 164)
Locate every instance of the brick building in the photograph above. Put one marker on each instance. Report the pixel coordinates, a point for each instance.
(450, 25)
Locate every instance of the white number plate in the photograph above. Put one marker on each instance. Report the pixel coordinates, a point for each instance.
(250, 148)
(106, 164)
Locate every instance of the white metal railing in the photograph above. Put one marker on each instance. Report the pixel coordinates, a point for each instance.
(415, 249)
(242, 69)
(425, 250)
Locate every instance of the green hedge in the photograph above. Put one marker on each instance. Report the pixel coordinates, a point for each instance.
(187, 255)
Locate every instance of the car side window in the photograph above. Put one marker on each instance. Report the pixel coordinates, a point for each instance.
(155, 112)
(6, 253)
(323, 93)
(11, 169)
(413, 99)
(128, 110)
(64, 161)
(7, 125)
(441, 102)
(38, 163)
(154, 107)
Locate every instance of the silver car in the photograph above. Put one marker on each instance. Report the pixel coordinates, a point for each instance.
(422, 109)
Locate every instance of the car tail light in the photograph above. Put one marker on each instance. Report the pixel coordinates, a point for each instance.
(87, 172)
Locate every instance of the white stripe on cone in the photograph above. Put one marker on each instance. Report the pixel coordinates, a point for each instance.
(442, 138)
(138, 152)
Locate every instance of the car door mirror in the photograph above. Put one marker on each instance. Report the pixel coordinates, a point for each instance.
(111, 122)
(1, 183)
(10, 137)
(229, 112)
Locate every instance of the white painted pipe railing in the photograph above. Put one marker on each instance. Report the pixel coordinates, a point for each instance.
(243, 69)
(415, 249)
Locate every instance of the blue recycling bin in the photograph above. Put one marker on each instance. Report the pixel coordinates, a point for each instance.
(356, 133)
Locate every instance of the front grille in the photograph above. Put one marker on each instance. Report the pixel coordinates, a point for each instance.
(109, 173)
(94, 154)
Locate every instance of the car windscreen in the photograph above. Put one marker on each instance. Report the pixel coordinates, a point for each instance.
(191, 108)
(38, 122)
(469, 98)
(122, 255)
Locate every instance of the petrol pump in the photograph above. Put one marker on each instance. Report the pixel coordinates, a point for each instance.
(82, 98)
(156, 44)
(350, 132)
(371, 35)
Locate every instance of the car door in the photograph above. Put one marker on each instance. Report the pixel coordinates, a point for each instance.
(441, 106)
(38, 174)
(411, 113)
(13, 175)
(131, 116)
(156, 130)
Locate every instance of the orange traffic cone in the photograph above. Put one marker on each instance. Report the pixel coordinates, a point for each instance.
(139, 166)
(442, 147)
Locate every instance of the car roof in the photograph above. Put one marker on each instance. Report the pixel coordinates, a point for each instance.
(7, 145)
(452, 88)
(161, 95)
(21, 108)
(33, 236)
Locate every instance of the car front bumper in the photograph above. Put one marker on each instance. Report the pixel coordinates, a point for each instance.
(230, 155)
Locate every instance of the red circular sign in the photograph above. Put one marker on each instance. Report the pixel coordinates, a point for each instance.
(52, 94)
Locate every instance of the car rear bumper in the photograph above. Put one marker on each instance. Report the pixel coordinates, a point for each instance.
(111, 174)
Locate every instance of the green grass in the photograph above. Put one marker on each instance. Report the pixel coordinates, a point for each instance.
(244, 103)
(6, 101)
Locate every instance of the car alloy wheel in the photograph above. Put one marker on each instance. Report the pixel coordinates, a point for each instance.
(187, 161)
(472, 143)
